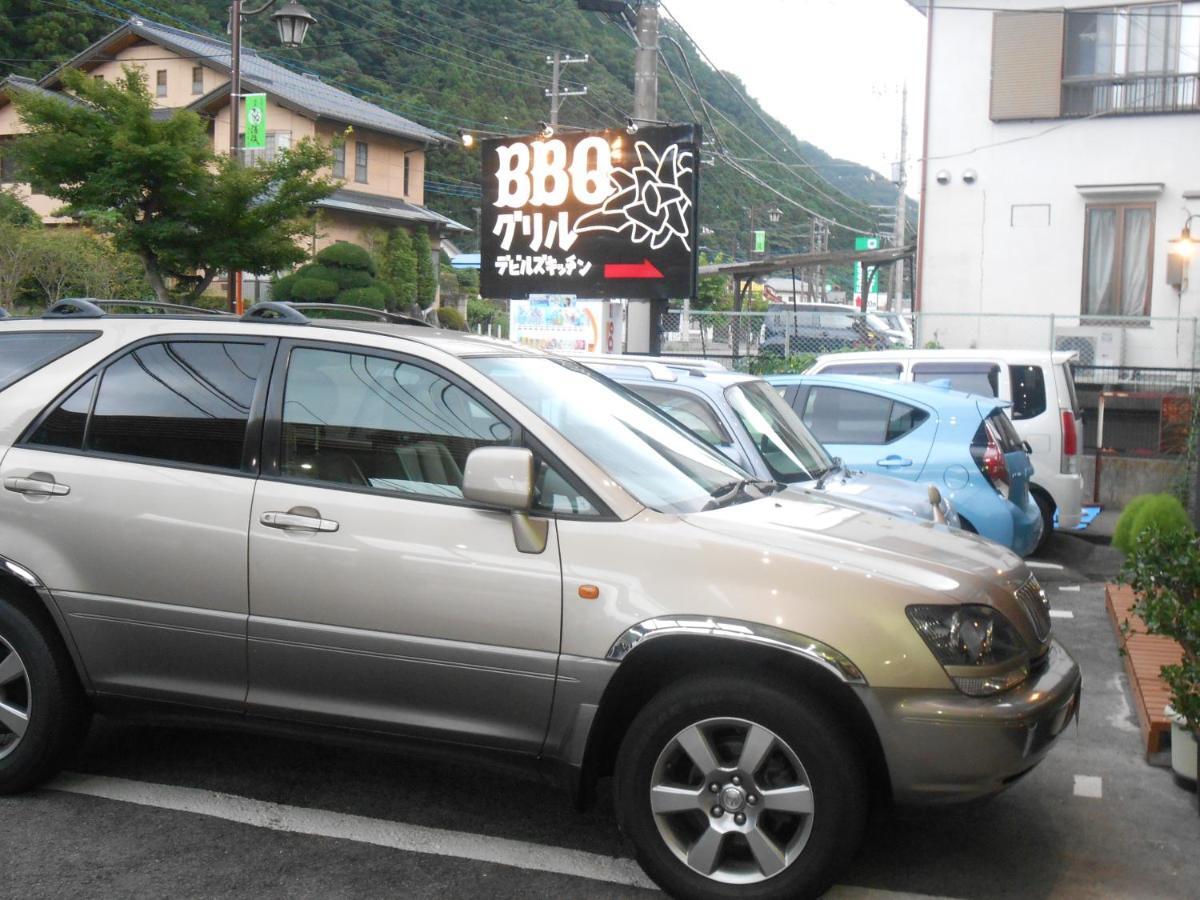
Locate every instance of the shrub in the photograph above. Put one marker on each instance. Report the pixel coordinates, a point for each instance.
(449, 317)
(1164, 571)
(345, 279)
(1162, 512)
(281, 288)
(313, 290)
(769, 364)
(373, 297)
(347, 256)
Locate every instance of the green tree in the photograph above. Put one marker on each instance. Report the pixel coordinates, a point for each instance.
(14, 212)
(426, 276)
(157, 188)
(397, 264)
(341, 273)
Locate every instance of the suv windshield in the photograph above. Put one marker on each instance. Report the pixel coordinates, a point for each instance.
(785, 444)
(657, 461)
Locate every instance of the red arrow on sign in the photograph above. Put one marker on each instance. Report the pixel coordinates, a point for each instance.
(644, 269)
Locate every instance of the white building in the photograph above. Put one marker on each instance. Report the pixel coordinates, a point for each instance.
(1061, 157)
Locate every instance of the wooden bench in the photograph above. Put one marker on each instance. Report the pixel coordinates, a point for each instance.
(1145, 655)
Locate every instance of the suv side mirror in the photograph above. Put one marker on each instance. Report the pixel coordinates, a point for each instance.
(503, 477)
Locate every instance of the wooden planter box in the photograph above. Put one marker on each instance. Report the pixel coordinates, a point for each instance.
(1145, 655)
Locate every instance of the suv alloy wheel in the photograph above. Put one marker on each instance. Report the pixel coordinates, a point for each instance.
(731, 789)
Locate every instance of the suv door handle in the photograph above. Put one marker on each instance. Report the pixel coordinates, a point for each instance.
(39, 483)
(298, 518)
(893, 462)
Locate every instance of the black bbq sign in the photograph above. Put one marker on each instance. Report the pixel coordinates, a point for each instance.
(605, 215)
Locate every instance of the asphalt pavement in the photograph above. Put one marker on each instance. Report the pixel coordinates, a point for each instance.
(156, 812)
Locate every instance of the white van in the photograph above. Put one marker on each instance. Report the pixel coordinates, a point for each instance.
(1037, 383)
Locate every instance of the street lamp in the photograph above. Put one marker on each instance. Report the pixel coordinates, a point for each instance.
(774, 214)
(293, 22)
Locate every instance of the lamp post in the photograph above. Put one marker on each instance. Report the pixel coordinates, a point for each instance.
(293, 22)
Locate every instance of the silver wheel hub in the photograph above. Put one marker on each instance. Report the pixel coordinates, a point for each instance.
(14, 699)
(732, 800)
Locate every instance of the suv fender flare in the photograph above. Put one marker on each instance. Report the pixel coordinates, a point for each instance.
(829, 658)
(14, 572)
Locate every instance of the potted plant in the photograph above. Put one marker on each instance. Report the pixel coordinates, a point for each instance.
(1163, 570)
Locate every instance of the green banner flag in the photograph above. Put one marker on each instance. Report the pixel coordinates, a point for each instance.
(760, 242)
(256, 121)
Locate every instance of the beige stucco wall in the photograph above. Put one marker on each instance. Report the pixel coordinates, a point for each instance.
(278, 119)
(10, 123)
(385, 163)
(151, 58)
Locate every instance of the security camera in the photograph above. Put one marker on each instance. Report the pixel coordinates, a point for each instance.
(943, 177)
(970, 176)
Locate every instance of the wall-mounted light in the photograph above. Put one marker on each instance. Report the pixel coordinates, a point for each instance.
(942, 177)
(547, 130)
(970, 176)
(1179, 257)
(468, 139)
(631, 126)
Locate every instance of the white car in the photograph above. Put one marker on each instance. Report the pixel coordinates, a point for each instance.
(1037, 383)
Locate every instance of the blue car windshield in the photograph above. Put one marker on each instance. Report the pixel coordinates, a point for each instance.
(786, 446)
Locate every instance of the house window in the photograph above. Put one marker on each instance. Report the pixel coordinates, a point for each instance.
(1125, 59)
(1118, 260)
(339, 160)
(197, 80)
(360, 161)
(98, 77)
(406, 171)
(161, 83)
(276, 141)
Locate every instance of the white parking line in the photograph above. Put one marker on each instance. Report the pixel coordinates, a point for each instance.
(1034, 564)
(1089, 786)
(1073, 588)
(1061, 614)
(395, 835)
(381, 833)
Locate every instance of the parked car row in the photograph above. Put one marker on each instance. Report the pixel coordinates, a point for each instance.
(359, 528)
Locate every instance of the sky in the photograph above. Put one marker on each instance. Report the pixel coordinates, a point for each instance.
(830, 70)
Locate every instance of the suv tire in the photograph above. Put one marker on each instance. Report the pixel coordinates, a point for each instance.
(38, 682)
(790, 791)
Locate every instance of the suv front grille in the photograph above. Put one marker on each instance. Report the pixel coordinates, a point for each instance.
(1033, 600)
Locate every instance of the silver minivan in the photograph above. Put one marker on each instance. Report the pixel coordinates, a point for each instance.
(421, 537)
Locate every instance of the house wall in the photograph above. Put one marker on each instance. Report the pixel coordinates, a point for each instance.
(1012, 242)
(278, 119)
(151, 58)
(10, 124)
(385, 163)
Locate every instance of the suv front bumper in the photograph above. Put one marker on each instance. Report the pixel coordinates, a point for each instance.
(943, 746)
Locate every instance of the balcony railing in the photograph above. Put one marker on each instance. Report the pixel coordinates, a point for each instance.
(1131, 94)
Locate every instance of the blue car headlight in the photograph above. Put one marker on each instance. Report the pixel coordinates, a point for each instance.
(978, 647)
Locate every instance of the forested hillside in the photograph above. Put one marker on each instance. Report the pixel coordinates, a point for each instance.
(480, 65)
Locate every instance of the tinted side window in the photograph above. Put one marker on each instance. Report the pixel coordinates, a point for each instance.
(372, 422)
(1028, 391)
(969, 377)
(841, 416)
(64, 427)
(183, 402)
(878, 370)
(24, 352)
(904, 419)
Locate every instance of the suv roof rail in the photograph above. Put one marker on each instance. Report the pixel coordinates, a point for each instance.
(271, 310)
(656, 370)
(74, 308)
(157, 305)
(379, 315)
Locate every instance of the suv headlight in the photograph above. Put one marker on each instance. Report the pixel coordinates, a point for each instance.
(977, 646)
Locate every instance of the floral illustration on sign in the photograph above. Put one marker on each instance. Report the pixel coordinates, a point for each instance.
(649, 201)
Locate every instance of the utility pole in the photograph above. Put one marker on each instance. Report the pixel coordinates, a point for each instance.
(555, 93)
(644, 332)
(896, 291)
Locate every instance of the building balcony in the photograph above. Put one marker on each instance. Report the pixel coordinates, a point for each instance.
(1091, 95)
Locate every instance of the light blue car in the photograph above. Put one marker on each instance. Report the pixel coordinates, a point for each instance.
(745, 419)
(963, 443)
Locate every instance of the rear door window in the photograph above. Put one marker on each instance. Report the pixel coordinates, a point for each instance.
(981, 378)
(1028, 391)
(841, 416)
(24, 352)
(878, 370)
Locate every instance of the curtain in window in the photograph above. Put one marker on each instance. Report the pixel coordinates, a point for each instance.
(1101, 258)
(1135, 268)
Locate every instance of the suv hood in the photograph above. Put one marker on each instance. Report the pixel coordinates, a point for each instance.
(822, 529)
